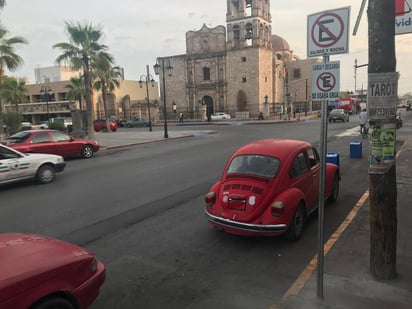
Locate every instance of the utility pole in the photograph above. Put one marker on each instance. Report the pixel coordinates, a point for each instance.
(382, 94)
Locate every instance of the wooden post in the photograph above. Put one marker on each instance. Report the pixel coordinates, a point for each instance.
(382, 187)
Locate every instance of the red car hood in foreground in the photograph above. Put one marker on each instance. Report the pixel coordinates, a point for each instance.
(33, 265)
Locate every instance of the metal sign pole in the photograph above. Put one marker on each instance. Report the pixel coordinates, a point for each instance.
(323, 150)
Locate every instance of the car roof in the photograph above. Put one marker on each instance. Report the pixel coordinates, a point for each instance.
(280, 148)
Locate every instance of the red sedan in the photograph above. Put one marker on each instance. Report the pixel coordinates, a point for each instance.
(101, 125)
(52, 142)
(42, 273)
(270, 187)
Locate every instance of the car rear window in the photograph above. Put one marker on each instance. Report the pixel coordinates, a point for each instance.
(258, 165)
(18, 137)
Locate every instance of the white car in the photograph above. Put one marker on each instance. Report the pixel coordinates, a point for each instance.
(220, 116)
(17, 166)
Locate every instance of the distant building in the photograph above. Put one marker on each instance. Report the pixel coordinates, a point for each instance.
(242, 69)
(54, 74)
(126, 101)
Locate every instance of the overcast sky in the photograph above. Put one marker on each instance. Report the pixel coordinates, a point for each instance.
(138, 31)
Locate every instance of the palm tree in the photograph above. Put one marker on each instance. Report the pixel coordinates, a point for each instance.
(2, 3)
(80, 52)
(8, 58)
(107, 78)
(14, 91)
(76, 90)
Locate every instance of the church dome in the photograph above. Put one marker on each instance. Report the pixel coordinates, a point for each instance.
(279, 43)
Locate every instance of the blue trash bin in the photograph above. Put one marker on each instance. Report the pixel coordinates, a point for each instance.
(333, 157)
(356, 149)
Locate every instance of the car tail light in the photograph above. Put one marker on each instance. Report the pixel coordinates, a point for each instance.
(277, 208)
(210, 199)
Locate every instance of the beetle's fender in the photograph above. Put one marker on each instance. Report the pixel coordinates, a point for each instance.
(291, 199)
(331, 171)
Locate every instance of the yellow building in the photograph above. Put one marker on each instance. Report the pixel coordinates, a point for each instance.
(50, 99)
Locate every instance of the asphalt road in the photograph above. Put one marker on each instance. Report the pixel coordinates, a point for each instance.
(140, 209)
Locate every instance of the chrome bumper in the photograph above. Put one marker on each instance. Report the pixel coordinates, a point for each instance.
(255, 228)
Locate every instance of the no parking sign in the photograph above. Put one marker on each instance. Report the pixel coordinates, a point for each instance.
(325, 81)
(328, 32)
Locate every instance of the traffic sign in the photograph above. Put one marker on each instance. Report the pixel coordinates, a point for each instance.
(325, 81)
(328, 32)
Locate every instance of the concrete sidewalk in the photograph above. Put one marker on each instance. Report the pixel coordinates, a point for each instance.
(347, 282)
(124, 138)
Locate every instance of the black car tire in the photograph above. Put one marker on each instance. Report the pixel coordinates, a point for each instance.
(87, 152)
(46, 174)
(297, 225)
(114, 130)
(128, 125)
(54, 303)
(335, 190)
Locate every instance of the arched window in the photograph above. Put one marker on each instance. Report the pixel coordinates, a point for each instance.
(249, 31)
(206, 73)
(236, 32)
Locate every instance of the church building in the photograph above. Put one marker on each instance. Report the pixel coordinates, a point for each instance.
(241, 69)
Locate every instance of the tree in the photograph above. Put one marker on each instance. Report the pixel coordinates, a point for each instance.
(81, 51)
(107, 78)
(14, 91)
(382, 187)
(2, 3)
(76, 90)
(8, 59)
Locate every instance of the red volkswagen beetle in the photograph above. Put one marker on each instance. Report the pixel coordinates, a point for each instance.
(38, 272)
(270, 187)
(53, 142)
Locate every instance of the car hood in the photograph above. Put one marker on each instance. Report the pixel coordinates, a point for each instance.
(28, 256)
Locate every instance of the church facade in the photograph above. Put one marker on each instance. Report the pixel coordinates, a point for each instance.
(241, 69)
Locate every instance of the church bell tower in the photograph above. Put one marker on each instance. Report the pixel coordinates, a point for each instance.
(248, 23)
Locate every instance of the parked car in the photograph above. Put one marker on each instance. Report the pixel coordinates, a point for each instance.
(65, 121)
(220, 116)
(338, 115)
(268, 188)
(43, 125)
(17, 166)
(26, 126)
(137, 122)
(100, 125)
(53, 142)
(39, 272)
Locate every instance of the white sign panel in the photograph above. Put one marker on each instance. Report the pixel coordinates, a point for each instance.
(325, 81)
(382, 95)
(328, 32)
(403, 17)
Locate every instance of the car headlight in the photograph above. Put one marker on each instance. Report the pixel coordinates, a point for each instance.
(93, 265)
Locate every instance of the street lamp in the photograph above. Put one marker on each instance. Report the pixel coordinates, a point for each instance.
(147, 79)
(46, 92)
(160, 62)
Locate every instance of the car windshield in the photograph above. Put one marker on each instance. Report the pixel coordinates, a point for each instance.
(258, 165)
(18, 137)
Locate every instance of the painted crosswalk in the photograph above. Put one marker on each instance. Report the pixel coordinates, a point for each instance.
(351, 132)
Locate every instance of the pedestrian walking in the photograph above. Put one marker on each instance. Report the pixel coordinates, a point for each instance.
(181, 118)
(363, 121)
